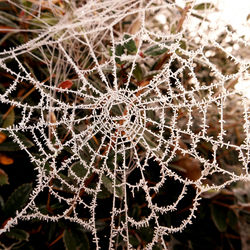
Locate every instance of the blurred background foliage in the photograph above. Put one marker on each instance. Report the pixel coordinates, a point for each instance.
(223, 218)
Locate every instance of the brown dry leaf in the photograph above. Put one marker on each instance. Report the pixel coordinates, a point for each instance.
(65, 85)
(6, 29)
(2, 137)
(5, 160)
(3, 178)
(9, 118)
(53, 120)
(135, 26)
(192, 167)
(52, 117)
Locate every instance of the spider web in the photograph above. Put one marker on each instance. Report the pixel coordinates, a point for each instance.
(125, 117)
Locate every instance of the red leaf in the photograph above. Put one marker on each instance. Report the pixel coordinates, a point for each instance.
(65, 85)
(22, 14)
(141, 55)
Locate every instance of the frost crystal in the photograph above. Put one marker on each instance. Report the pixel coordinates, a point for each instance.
(146, 97)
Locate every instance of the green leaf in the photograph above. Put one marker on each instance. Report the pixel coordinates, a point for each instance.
(108, 183)
(133, 241)
(100, 225)
(8, 19)
(27, 4)
(18, 234)
(69, 241)
(3, 178)
(78, 169)
(119, 50)
(69, 179)
(204, 6)
(136, 212)
(157, 247)
(232, 220)
(75, 239)
(47, 18)
(155, 51)
(17, 199)
(183, 45)
(138, 72)
(149, 139)
(1, 202)
(9, 146)
(12, 146)
(9, 120)
(219, 216)
(26, 142)
(104, 194)
(2, 88)
(146, 233)
(129, 45)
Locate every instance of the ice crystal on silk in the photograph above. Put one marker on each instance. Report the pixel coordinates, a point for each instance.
(125, 108)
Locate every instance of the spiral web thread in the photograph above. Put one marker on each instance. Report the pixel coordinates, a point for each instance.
(114, 125)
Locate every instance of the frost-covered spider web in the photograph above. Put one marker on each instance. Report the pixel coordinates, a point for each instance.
(123, 106)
